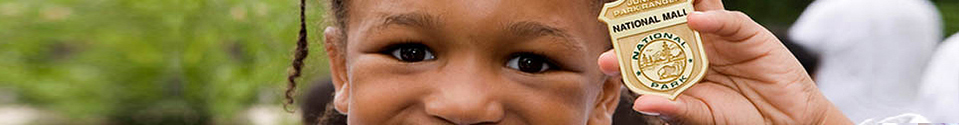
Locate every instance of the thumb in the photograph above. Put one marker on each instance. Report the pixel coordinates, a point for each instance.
(683, 110)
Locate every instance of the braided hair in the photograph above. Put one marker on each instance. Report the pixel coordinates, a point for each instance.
(299, 55)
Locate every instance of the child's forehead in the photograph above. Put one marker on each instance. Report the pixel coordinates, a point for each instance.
(563, 19)
(478, 7)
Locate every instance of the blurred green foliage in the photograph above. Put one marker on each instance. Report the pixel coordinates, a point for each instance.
(150, 61)
(778, 15)
(950, 15)
(189, 61)
(770, 12)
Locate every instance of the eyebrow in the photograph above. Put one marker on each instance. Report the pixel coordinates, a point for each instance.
(410, 19)
(536, 29)
(526, 29)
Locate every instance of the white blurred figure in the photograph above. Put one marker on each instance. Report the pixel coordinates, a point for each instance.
(939, 92)
(873, 52)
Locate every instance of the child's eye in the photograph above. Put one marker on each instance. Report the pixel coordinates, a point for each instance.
(412, 53)
(529, 63)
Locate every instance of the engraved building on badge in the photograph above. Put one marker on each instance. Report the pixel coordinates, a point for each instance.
(658, 53)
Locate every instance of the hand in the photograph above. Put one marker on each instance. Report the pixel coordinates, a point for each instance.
(752, 78)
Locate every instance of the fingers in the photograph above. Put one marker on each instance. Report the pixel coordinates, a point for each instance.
(733, 38)
(707, 5)
(733, 25)
(609, 63)
(682, 111)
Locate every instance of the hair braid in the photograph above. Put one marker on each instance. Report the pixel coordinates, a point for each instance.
(299, 54)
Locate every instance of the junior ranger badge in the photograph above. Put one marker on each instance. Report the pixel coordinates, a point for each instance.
(658, 53)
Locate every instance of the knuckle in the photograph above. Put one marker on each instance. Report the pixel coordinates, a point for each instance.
(739, 14)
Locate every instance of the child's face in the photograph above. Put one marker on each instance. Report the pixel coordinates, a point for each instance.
(472, 61)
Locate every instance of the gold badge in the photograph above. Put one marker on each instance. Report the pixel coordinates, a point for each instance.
(658, 53)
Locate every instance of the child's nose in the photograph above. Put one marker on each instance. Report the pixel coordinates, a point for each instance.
(464, 107)
(466, 93)
(465, 100)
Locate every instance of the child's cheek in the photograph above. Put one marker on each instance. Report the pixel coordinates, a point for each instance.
(379, 91)
(385, 91)
(562, 98)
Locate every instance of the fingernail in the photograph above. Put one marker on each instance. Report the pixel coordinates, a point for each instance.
(648, 113)
(697, 13)
(606, 68)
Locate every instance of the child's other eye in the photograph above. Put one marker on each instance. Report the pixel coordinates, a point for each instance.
(412, 53)
(529, 63)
